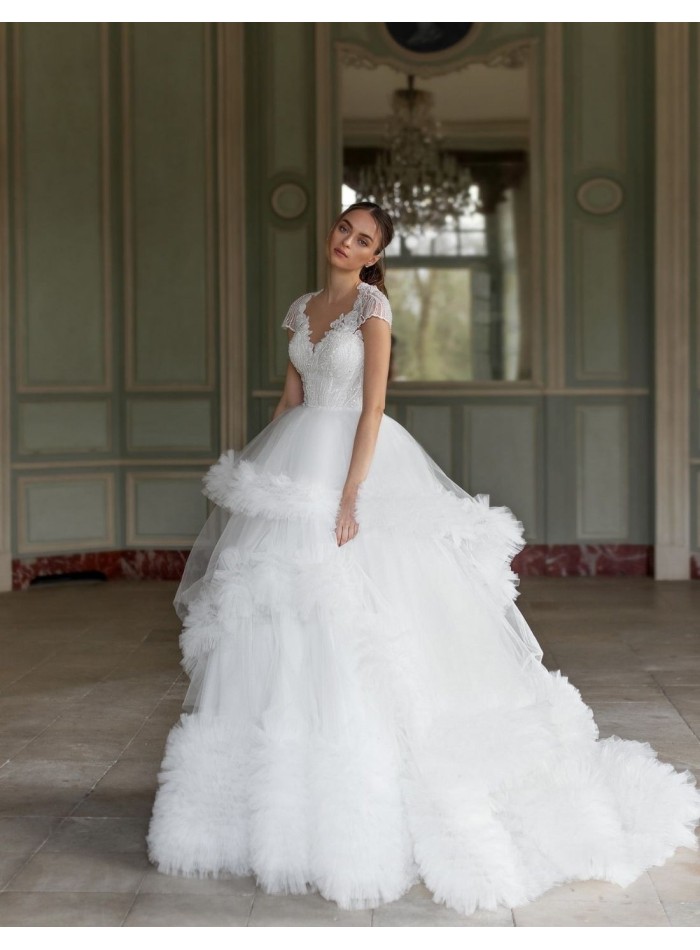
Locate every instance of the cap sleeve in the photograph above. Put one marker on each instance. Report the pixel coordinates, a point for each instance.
(375, 304)
(290, 321)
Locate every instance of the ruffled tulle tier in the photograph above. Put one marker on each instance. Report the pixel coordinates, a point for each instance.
(365, 716)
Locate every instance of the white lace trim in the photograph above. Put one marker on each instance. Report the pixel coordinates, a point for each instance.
(375, 304)
(370, 302)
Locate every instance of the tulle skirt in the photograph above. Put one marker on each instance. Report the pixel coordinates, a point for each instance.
(365, 716)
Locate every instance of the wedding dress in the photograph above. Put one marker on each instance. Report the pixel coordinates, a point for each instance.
(365, 716)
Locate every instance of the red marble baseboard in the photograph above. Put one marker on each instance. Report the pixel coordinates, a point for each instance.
(135, 565)
(535, 560)
(584, 560)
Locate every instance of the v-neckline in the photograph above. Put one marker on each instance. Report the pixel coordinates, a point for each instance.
(333, 323)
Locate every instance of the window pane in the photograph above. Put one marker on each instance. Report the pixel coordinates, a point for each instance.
(458, 295)
(433, 323)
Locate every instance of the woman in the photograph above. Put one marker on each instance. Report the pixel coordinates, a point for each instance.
(367, 706)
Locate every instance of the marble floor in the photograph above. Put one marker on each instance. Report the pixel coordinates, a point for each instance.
(90, 684)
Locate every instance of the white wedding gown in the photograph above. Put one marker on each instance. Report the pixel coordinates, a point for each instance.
(365, 716)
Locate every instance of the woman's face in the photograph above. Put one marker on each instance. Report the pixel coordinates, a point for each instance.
(353, 240)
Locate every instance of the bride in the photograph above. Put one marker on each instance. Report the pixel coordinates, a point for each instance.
(367, 706)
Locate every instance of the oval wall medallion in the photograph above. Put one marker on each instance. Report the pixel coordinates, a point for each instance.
(289, 200)
(600, 195)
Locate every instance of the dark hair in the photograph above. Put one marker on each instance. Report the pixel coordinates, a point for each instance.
(374, 273)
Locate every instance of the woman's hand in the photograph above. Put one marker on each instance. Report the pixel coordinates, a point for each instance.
(346, 527)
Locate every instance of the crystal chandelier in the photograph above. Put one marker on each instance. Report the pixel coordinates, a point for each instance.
(419, 185)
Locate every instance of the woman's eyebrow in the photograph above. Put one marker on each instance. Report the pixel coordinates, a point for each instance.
(362, 233)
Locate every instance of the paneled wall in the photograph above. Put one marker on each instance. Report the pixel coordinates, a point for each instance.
(281, 208)
(601, 434)
(127, 345)
(112, 270)
(693, 264)
(571, 452)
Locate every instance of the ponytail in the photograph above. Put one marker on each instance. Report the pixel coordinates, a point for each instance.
(374, 274)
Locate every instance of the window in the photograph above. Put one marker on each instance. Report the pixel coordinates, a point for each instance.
(457, 296)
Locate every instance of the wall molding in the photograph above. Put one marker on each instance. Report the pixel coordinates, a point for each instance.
(132, 536)
(612, 191)
(510, 132)
(25, 546)
(399, 392)
(327, 204)
(533, 524)
(233, 337)
(5, 376)
(22, 386)
(672, 301)
(582, 230)
(131, 462)
(509, 54)
(588, 415)
(78, 451)
(554, 204)
(696, 121)
(618, 160)
(132, 384)
(136, 406)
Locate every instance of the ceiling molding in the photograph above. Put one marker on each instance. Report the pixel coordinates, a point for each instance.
(514, 55)
(515, 133)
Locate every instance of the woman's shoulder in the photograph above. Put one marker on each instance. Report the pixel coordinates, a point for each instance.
(295, 306)
(375, 303)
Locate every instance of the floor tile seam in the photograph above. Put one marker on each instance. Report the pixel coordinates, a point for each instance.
(67, 890)
(88, 759)
(670, 901)
(91, 789)
(142, 727)
(36, 666)
(107, 674)
(17, 752)
(658, 893)
(22, 866)
(37, 736)
(660, 685)
(131, 905)
(252, 905)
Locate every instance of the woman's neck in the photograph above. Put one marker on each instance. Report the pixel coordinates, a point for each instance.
(339, 286)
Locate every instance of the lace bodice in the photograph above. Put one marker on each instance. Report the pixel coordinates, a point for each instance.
(332, 369)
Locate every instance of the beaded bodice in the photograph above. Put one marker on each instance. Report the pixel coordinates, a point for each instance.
(332, 368)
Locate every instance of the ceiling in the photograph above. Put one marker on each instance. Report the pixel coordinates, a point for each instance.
(477, 93)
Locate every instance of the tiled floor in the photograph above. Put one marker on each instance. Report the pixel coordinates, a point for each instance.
(90, 684)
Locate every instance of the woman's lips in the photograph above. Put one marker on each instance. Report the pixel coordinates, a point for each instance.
(342, 253)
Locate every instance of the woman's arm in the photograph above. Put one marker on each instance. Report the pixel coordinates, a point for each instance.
(293, 392)
(377, 343)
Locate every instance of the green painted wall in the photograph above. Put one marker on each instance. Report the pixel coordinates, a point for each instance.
(115, 302)
(546, 455)
(694, 395)
(114, 296)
